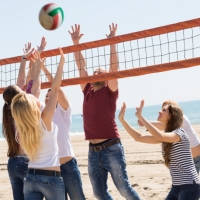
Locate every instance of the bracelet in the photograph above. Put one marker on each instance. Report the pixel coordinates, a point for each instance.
(24, 58)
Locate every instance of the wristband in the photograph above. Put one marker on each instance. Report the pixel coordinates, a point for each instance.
(24, 58)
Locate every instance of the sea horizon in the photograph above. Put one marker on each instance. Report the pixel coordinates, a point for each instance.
(190, 108)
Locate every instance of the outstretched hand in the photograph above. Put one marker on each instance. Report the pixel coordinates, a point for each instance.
(38, 62)
(28, 51)
(113, 30)
(75, 34)
(139, 110)
(42, 46)
(62, 57)
(122, 112)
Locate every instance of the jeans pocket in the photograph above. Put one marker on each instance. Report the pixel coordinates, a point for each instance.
(47, 182)
(21, 170)
(115, 148)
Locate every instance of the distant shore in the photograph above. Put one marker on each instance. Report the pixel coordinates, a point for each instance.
(146, 171)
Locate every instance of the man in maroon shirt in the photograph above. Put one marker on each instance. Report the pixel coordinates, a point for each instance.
(105, 149)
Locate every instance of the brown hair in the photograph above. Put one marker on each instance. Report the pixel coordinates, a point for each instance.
(8, 126)
(175, 121)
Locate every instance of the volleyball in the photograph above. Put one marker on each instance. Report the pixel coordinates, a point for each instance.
(51, 16)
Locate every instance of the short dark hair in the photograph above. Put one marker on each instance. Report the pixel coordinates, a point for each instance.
(49, 90)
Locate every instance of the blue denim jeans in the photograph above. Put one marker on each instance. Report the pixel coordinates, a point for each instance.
(17, 169)
(110, 160)
(197, 163)
(184, 192)
(72, 180)
(36, 187)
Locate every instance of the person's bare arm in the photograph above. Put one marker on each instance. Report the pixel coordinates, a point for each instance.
(133, 132)
(80, 60)
(31, 70)
(159, 135)
(38, 63)
(21, 80)
(49, 109)
(62, 98)
(114, 62)
(157, 124)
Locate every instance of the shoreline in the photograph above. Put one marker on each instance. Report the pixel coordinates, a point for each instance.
(145, 168)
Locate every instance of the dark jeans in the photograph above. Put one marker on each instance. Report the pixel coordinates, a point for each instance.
(17, 170)
(184, 192)
(72, 180)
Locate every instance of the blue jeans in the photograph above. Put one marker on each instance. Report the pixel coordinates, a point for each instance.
(72, 180)
(197, 163)
(184, 192)
(17, 169)
(36, 187)
(110, 160)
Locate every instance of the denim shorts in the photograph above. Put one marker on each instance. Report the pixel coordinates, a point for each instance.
(17, 170)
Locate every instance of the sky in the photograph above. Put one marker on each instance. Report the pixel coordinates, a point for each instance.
(20, 25)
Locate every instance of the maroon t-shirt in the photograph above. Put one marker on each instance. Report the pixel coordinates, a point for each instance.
(99, 113)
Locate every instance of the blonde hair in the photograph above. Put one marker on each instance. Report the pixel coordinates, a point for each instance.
(26, 114)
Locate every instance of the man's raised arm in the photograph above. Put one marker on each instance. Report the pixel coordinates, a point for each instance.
(114, 62)
(80, 60)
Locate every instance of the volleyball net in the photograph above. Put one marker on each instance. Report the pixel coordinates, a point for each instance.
(165, 48)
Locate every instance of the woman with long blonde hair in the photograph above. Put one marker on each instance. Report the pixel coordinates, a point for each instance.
(18, 161)
(38, 138)
(176, 149)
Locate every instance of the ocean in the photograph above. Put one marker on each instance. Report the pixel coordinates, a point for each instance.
(190, 108)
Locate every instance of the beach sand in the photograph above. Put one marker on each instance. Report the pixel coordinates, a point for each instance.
(146, 172)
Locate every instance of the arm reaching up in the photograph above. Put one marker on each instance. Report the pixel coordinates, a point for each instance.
(62, 99)
(169, 137)
(49, 109)
(40, 49)
(114, 62)
(133, 132)
(80, 61)
(21, 80)
(38, 62)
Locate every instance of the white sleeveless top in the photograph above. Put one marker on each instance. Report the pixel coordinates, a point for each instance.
(62, 118)
(194, 140)
(48, 153)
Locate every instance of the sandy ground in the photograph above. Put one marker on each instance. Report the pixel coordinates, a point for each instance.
(147, 174)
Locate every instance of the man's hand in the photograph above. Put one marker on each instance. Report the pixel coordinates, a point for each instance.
(113, 30)
(42, 46)
(75, 34)
(27, 51)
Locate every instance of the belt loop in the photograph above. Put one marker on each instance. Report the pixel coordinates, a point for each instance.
(55, 173)
(33, 171)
